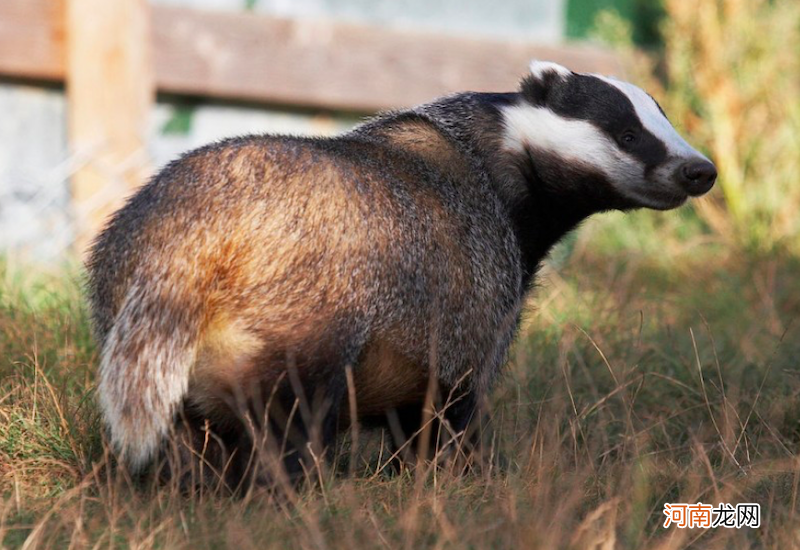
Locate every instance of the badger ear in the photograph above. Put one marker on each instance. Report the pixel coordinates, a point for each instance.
(539, 69)
(545, 77)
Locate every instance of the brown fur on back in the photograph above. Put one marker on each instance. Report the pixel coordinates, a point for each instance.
(370, 250)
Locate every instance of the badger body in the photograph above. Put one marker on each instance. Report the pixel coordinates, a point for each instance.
(248, 276)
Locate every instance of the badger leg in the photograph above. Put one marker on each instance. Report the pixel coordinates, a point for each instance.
(300, 420)
(450, 430)
(274, 438)
(204, 454)
(262, 411)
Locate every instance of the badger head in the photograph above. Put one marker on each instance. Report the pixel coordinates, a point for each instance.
(602, 139)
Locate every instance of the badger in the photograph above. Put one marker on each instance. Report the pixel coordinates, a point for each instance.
(295, 285)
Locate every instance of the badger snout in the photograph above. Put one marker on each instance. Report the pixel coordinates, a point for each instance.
(696, 176)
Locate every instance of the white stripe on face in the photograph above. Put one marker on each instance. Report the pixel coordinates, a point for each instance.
(654, 120)
(570, 139)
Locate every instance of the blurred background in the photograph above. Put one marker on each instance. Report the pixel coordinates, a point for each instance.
(659, 360)
(96, 96)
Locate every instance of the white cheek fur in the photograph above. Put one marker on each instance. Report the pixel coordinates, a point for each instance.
(570, 140)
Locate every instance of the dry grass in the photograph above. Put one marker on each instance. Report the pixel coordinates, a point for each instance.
(631, 385)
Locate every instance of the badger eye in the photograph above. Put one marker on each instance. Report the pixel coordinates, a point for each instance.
(629, 138)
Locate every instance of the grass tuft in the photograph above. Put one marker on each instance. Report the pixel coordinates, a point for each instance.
(633, 383)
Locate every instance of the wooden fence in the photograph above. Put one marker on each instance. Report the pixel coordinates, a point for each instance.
(114, 55)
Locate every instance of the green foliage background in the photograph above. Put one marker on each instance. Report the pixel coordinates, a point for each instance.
(644, 17)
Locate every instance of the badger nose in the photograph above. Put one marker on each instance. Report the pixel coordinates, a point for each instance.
(697, 176)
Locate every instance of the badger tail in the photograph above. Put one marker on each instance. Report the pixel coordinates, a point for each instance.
(144, 369)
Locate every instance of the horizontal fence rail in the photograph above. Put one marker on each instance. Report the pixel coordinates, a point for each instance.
(311, 63)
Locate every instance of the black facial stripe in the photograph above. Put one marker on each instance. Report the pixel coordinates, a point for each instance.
(585, 97)
(650, 150)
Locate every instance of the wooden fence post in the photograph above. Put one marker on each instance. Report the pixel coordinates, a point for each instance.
(110, 90)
